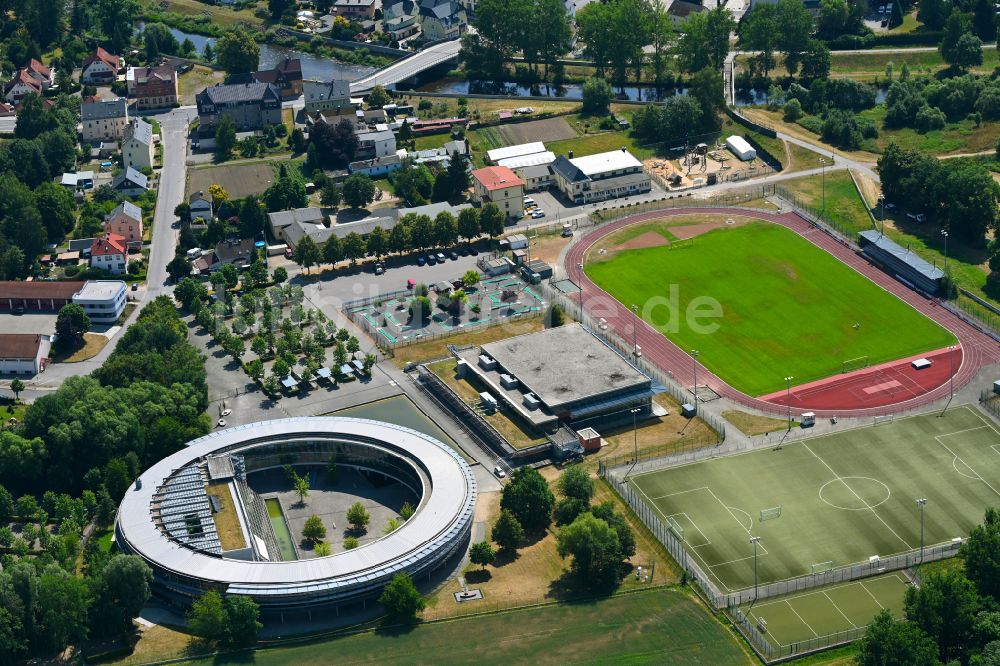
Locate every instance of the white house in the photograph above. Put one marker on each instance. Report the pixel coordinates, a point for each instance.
(442, 19)
(137, 145)
(600, 177)
(103, 120)
(24, 353)
(108, 253)
(100, 68)
(373, 145)
(102, 300)
(20, 85)
(201, 206)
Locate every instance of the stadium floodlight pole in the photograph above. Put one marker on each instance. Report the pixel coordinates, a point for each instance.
(580, 266)
(635, 331)
(944, 232)
(754, 540)
(951, 371)
(788, 400)
(822, 162)
(921, 503)
(635, 434)
(694, 367)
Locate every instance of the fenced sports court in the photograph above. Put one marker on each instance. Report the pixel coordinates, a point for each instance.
(828, 510)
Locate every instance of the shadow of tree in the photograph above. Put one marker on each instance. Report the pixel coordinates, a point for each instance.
(478, 576)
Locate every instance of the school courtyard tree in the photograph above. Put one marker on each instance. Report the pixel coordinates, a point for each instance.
(359, 190)
(528, 497)
(307, 254)
(402, 599)
(507, 531)
(482, 553)
(358, 516)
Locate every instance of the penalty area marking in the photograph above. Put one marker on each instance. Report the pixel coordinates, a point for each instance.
(957, 457)
(708, 541)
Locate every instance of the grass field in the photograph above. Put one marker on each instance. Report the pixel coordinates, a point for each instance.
(843, 203)
(844, 497)
(662, 626)
(811, 300)
(239, 180)
(830, 609)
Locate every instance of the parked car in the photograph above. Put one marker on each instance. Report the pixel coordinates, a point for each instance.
(498, 470)
(453, 255)
(379, 268)
(288, 253)
(421, 260)
(431, 260)
(473, 251)
(135, 286)
(440, 257)
(537, 214)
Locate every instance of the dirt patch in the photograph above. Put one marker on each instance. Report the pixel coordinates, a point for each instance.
(686, 231)
(550, 129)
(548, 248)
(239, 180)
(648, 239)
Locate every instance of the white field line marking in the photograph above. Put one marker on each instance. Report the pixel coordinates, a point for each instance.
(874, 598)
(802, 620)
(874, 512)
(995, 449)
(762, 604)
(959, 458)
(679, 492)
(739, 559)
(839, 611)
(708, 541)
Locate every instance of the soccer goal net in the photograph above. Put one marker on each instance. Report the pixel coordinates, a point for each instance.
(853, 364)
(822, 567)
(770, 514)
(884, 418)
(676, 528)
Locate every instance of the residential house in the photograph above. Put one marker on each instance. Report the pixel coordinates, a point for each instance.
(100, 68)
(238, 252)
(102, 300)
(373, 145)
(377, 167)
(442, 19)
(681, 10)
(103, 120)
(251, 106)
(400, 18)
(286, 76)
(138, 147)
(46, 76)
(125, 221)
(355, 9)
(108, 253)
(130, 182)
(20, 85)
(201, 206)
(320, 96)
(152, 87)
(24, 353)
(600, 177)
(500, 185)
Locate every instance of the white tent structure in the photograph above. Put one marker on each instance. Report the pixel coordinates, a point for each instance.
(741, 148)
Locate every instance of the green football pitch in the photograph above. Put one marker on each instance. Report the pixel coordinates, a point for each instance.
(827, 610)
(844, 497)
(788, 307)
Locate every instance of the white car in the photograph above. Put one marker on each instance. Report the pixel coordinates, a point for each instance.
(537, 214)
(498, 470)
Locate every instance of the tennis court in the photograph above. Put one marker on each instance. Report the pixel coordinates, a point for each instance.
(832, 500)
(822, 611)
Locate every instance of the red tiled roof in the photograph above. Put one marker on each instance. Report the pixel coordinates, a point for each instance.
(38, 68)
(43, 289)
(22, 76)
(108, 244)
(19, 345)
(497, 178)
(102, 55)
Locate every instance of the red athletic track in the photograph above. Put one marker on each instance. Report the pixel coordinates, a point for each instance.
(842, 398)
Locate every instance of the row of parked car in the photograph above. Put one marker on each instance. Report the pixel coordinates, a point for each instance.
(532, 210)
(439, 257)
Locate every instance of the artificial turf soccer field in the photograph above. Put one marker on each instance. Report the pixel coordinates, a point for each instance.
(828, 610)
(789, 308)
(844, 497)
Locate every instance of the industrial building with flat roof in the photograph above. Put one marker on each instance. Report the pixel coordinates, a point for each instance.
(559, 374)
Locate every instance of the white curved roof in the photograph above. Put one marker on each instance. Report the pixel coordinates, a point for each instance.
(449, 502)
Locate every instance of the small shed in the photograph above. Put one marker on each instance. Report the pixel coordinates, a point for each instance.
(808, 419)
(590, 439)
(520, 256)
(517, 241)
(741, 148)
(688, 410)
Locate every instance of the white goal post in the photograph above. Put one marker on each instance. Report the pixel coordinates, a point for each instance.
(770, 514)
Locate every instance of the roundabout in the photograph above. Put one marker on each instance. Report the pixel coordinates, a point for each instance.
(170, 519)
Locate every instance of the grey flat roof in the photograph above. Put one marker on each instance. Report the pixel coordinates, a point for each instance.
(449, 500)
(565, 364)
(914, 261)
(99, 290)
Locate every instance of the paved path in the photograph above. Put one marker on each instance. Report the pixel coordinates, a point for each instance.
(979, 350)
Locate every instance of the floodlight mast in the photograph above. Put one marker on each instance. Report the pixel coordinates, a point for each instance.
(754, 540)
(694, 368)
(922, 502)
(788, 400)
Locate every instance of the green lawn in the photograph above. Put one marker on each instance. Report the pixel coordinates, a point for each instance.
(844, 205)
(844, 497)
(432, 141)
(787, 307)
(868, 64)
(662, 626)
(590, 144)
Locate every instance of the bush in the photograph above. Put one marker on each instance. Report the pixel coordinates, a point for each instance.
(793, 110)
(929, 118)
(812, 123)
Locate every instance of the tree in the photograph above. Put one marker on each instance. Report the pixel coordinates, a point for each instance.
(237, 52)
(981, 551)
(242, 620)
(420, 309)
(120, 592)
(377, 244)
(482, 553)
(378, 98)
(471, 278)
(188, 291)
(252, 218)
(358, 516)
(314, 530)
(445, 229)
(354, 247)
(401, 598)
(71, 324)
(230, 275)
(207, 617)
(307, 253)
(759, 31)
(333, 250)
(159, 40)
(350, 543)
(179, 267)
(63, 600)
(225, 137)
(704, 41)
(596, 96)
(458, 177)
(55, 203)
(626, 539)
(468, 223)
(575, 482)
(16, 386)
(279, 275)
(491, 220)
(286, 193)
(329, 194)
(957, 25)
(336, 144)
(278, 8)
(359, 190)
(595, 550)
(815, 61)
(301, 485)
(567, 510)
(944, 606)
(507, 531)
(415, 184)
(933, 13)
(116, 19)
(892, 642)
(968, 52)
(796, 27)
(529, 498)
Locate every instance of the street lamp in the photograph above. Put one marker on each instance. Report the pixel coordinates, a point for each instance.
(580, 266)
(921, 503)
(754, 540)
(788, 400)
(944, 232)
(822, 162)
(951, 372)
(635, 331)
(635, 434)
(694, 367)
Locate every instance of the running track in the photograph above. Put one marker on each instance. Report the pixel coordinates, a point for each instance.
(978, 349)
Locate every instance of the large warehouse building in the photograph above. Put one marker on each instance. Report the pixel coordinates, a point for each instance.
(174, 519)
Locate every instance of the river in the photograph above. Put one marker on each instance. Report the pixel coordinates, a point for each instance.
(314, 67)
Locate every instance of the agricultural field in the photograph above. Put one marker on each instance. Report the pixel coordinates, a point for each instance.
(842, 497)
(813, 321)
